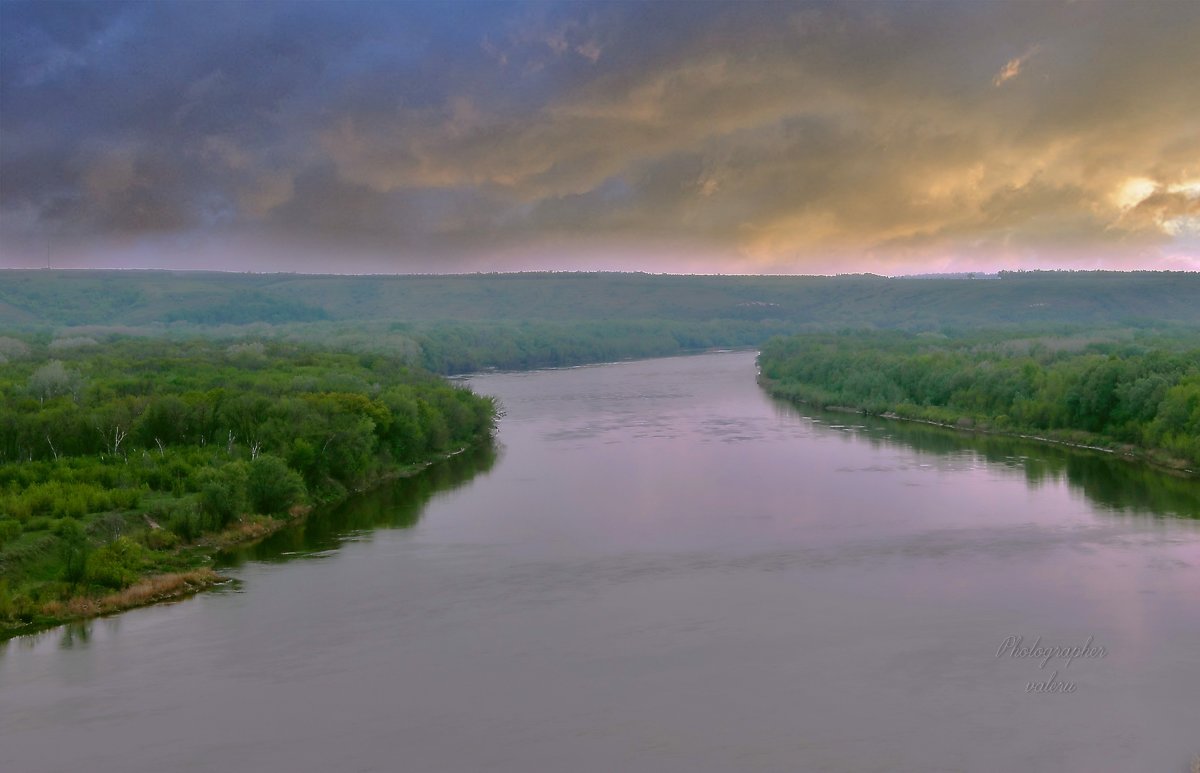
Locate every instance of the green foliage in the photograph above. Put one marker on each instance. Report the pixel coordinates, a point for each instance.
(272, 487)
(116, 565)
(75, 551)
(9, 529)
(7, 608)
(196, 399)
(161, 539)
(249, 307)
(64, 499)
(1143, 392)
(173, 440)
(186, 523)
(457, 347)
(223, 492)
(456, 324)
(114, 298)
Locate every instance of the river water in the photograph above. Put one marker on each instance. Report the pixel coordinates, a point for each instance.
(661, 569)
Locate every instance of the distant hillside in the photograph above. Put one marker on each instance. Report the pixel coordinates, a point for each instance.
(33, 298)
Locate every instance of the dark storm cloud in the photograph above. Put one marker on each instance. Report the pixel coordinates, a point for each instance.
(774, 136)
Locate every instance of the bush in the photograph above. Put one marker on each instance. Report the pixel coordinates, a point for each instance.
(75, 551)
(125, 498)
(185, 522)
(271, 486)
(116, 565)
(223, 492)
(9, 529)
(161, 539)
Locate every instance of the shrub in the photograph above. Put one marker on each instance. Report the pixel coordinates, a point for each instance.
(124, 498)
(161, 539)
(75, 551)
(9, 529)
(107, 527)
(186, 522)
(223, 492)
(116, 565)
(271, 486)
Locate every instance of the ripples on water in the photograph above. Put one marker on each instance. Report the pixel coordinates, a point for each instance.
(660, 569)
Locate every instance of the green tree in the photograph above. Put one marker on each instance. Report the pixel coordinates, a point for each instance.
(271, 487)
(75, 551)
(223, 492)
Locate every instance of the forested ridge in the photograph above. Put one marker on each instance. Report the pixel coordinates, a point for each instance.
(162, 298)
(464, 348)
(462, 323)
(148, 417)
(1131, 393)
(137, 457)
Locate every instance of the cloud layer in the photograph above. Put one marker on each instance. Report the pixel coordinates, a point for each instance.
(665, 136)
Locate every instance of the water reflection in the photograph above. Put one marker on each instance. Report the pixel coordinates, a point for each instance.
(681, 582)
(397, 505)
(75, 635)
(1115, 484)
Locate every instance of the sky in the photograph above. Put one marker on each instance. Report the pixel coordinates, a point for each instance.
(682, 137)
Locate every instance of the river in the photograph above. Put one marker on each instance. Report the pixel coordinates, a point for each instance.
(659, 568)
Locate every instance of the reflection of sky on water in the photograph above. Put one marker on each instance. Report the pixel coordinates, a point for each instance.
(699, 580)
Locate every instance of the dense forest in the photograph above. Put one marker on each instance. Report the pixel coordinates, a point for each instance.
(148, 418)
(1136, 392)
(456, 324)
(137, 457)
(166, 299)
(462, 348)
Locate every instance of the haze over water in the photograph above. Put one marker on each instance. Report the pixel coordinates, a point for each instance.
(663, 570)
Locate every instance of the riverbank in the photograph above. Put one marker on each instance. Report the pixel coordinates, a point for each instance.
(135, 458)
(652, 533)
(981, 426)
(156, 587)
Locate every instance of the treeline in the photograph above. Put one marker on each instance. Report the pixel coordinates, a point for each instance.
(461, 323)
(150, 298)
(244, 308)
(465, 347)
(115, 458)
(1140, 393)
(460, 347)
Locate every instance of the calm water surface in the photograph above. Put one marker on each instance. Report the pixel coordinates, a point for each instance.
(661, 569)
